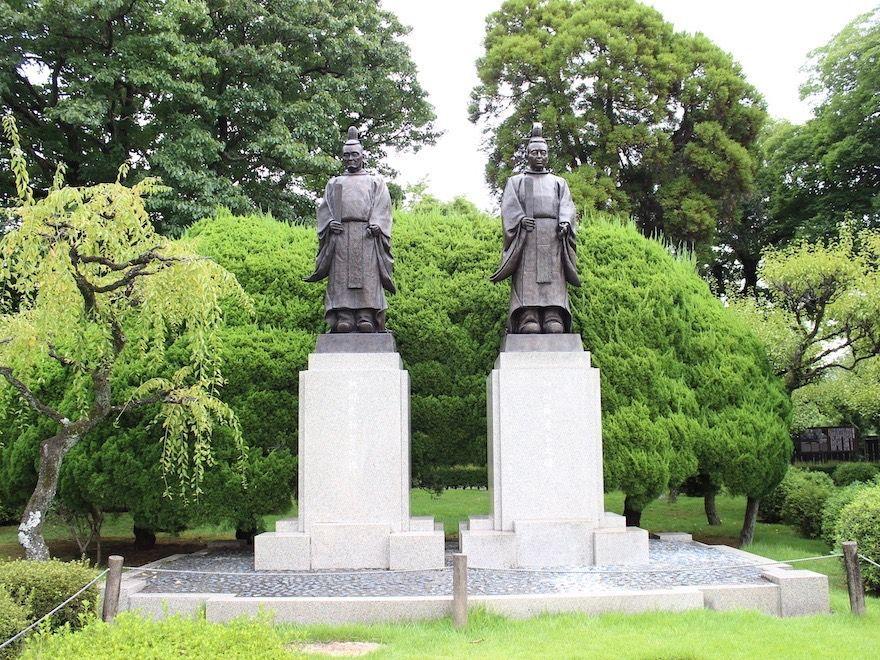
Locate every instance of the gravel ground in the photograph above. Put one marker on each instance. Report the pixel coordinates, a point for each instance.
(671, 564)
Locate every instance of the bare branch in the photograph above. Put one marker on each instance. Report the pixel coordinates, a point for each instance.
(64, 360)
(32, 399)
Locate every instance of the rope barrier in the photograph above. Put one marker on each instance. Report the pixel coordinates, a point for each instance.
(869, 560)
(22, 633)
(706, 566)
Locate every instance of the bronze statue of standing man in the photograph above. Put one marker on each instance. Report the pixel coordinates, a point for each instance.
(354, 245)
(539, 257)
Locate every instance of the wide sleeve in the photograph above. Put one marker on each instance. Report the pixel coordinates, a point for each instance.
(380, 212)
(567, 210)
(325, 209)
(512, 211)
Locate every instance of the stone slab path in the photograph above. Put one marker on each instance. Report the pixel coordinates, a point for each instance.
(672, 564)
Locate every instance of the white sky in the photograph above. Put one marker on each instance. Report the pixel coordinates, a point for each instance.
(769, 38)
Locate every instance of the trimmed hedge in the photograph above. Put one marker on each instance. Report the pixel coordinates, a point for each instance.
(130, 636)
(833, 506)
(13, 618)
(848, 473)
(860, 522)
(459, 476)
(805, 498)
(38, 586)
(770, 510)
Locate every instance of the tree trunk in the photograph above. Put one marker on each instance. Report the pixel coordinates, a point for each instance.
(30, 531)
(672, 496)
(750, 275)
(709, 506)
(144, 538)
(747, 535)
(633, 515)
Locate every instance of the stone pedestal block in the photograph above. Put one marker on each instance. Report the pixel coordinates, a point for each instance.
(545, 463)
(354, 466)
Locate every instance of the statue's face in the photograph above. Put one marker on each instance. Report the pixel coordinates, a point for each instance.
(537, 157)
(353, 157)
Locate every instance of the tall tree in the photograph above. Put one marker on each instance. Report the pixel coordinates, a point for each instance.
(640, 118)
(95, 289)
(240, 104)
(841, 172)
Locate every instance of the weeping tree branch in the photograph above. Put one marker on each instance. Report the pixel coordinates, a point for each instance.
(27, 394)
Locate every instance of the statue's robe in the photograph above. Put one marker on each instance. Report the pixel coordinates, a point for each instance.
(538, 262)
(357, 264)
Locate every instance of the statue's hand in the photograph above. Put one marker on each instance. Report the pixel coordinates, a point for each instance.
(336, 227)
(564, 228)
(373, 229)
(527, 223)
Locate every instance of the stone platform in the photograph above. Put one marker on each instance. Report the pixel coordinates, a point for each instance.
(545, 464)
(354, 466)
(679, 575)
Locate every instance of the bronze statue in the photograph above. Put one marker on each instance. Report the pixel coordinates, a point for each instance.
(539, 257)
(354, 245)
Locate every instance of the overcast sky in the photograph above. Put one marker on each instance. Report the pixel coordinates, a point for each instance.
(769, 38)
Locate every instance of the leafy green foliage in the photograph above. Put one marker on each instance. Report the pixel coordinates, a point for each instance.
(830, 164)
(821, 308)
(833, 506)
(96, 299)
(860, 522)
(130, 636)
(13, 618)
(804, 501)
(847, 473)
(639, 118)
(38, 586)
(241, 104)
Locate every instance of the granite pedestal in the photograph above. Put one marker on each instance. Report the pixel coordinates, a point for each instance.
(545, 464)
(354, 466)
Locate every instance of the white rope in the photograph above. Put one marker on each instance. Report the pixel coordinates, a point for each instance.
(22, 633)
(705, 566)
(869, 560)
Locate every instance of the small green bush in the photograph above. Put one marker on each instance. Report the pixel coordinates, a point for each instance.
(848, 473)
(133, 637)
(860, 522)
(833, 506)
(804, 500)
(38, 586)
(13, 618)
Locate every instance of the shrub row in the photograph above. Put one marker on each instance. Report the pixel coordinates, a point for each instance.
(13, 618)
(456, 476)
(859, 521)
(36, 587)
(843, 474)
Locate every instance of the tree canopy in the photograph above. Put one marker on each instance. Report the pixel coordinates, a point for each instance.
(639, 118)
(241, 104)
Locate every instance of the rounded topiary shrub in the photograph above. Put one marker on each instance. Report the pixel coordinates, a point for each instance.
(847, 473)
(13, 618)
(804, 500)
(860, 522)
(38, 586)
(833, 506)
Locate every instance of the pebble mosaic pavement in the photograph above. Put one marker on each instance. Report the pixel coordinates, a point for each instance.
(675, 563)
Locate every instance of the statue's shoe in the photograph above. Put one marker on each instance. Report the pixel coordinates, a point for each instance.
(554, 327)
(366, 326)
(530, 328)
(344, 326)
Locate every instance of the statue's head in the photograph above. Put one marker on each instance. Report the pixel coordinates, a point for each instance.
(536, 151)
(353, 152)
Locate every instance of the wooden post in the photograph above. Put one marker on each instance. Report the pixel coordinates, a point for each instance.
(111, 588)
(459, 590)
(854, 577)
